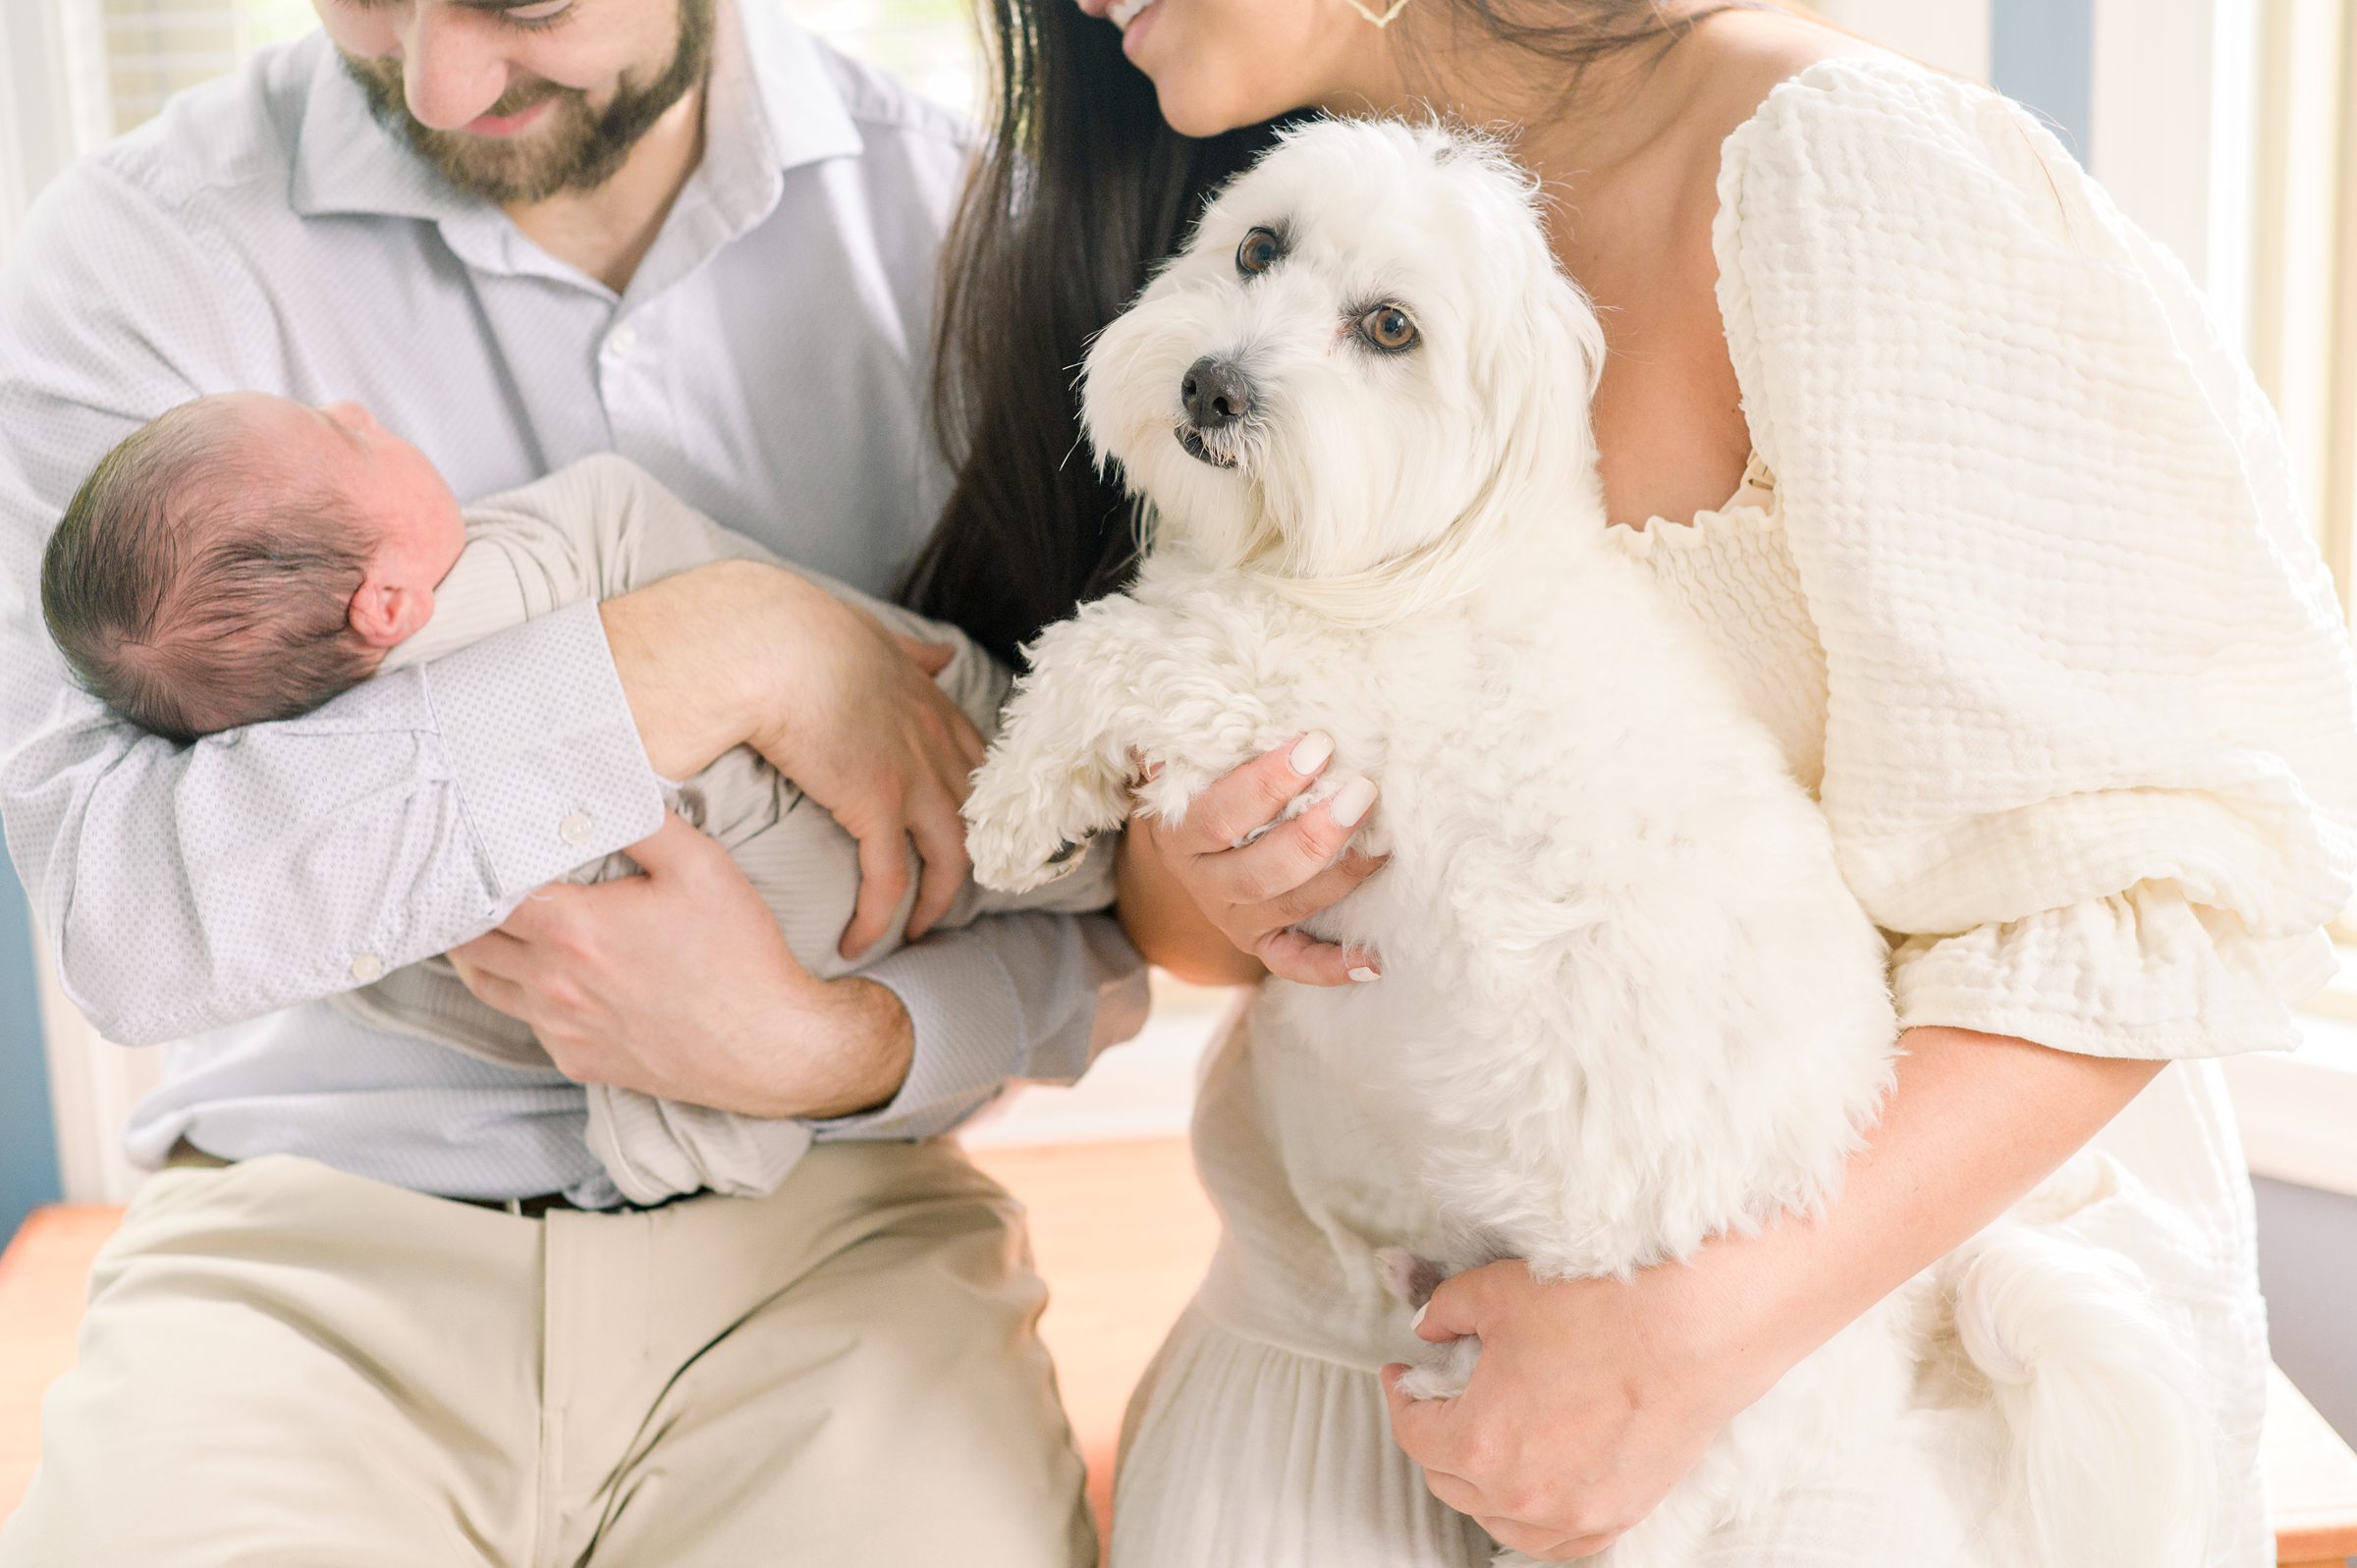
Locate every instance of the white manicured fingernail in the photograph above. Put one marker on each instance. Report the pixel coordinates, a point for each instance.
(1351, 802)
(1310, 752)
(1365, 975)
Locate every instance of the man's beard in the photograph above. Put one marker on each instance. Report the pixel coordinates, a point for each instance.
(577, 148)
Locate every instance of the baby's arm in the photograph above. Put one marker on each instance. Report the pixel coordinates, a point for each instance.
(498, 582)
(631, 530)
(603, 528)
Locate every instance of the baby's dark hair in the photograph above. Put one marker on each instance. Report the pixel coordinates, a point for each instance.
(191, 592)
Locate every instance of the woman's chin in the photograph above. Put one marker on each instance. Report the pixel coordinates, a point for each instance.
(1190, 116)
(1196, 102)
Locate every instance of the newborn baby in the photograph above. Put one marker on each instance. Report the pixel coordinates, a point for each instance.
(245, 558)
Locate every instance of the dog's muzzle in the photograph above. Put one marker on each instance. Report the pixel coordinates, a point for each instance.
(1217, 399)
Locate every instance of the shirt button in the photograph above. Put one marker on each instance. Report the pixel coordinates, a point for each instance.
(621, 340)
(574, 828)
(367, 967)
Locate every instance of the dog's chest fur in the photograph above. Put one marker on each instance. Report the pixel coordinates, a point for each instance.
(1626, 1000)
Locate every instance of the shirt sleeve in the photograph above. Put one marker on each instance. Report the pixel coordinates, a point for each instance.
(188, 887)
(2089, 750)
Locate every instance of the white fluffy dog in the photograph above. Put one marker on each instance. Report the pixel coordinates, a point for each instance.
(1627, 1003)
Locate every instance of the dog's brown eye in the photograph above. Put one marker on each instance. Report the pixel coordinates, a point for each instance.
(1387, 328)
(1259, 252)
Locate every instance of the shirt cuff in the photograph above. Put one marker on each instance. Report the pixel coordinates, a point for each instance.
(540, 743)
(1083, 987)
(969, 1038)
(2144, 974)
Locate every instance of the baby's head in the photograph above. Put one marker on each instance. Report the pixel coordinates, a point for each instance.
(245, 558)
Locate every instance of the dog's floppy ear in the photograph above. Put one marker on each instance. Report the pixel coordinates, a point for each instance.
(1542, 372)
(1543, 379)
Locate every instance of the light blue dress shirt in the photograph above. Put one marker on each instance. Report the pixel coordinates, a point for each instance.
(767, 362)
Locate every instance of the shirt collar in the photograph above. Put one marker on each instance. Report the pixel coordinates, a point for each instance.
(793, 113)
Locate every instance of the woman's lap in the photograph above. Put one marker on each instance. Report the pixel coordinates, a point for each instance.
(1240, 1452)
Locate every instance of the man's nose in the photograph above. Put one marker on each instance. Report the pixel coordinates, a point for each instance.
(1215, 394)
(451, 69)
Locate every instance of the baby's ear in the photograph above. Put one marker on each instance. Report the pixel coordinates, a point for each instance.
(383, 614)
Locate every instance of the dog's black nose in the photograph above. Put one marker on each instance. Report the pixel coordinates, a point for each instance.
(1215, 393)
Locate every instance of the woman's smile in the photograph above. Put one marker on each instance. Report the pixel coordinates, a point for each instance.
(1132, 17)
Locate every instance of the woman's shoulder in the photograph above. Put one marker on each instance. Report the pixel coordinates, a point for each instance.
(1818, 156)
(1863, 143)
(1938, 319)
(1751, 54)
(1872, 192)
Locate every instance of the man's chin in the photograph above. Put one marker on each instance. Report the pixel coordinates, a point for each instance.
(530, 166)
(573, 146)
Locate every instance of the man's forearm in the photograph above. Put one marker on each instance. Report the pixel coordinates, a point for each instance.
(189, 888)
(1975, 1123)
(683, 649)
(1026, 995)
(882, 1043)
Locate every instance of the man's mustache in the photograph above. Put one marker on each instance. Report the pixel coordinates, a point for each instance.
(525, 95)
(384, 73)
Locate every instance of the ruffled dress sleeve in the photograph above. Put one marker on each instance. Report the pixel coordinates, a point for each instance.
(2091, 747)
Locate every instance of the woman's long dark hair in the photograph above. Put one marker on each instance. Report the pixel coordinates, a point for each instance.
(1081, 190)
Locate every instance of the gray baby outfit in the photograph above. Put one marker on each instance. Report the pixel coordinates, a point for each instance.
(595, 529)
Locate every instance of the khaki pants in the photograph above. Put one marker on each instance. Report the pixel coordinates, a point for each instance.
(287, 1366)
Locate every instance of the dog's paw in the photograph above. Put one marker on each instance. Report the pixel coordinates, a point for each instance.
(1027, 823)
(1016, 855)
(1442, 1370)
(1406, 1276)
(1431, 1382)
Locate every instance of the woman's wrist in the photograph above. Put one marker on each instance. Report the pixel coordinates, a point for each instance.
(1748, 1308)
(1163, 922)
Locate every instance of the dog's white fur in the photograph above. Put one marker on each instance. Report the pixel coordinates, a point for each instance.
(1627, 1003)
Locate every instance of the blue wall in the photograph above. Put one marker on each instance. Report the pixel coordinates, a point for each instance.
(27, 1143)
(2042, 52)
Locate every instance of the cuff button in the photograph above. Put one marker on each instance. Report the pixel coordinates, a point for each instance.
(574, 829)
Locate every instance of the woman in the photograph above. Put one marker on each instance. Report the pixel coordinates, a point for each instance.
(1944, 457)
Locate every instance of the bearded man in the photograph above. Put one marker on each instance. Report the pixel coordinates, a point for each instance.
(379, 1304)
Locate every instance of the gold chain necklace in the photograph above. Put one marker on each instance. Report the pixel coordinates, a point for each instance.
(1382, 18)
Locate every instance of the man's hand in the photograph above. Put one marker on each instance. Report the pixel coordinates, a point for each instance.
(742, 653)
(677, 983)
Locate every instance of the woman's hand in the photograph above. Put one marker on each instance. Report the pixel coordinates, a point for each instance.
(677, 983)
(1196, 896)
(744, 653)
(1593, 1397)
(1591, 1400)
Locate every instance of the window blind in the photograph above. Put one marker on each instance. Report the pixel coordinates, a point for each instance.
(156, 47)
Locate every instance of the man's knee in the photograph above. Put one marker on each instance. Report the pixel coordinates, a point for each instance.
(121, 1482)
(252, 1389)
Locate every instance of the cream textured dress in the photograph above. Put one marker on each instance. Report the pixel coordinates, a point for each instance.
(2018, 578)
